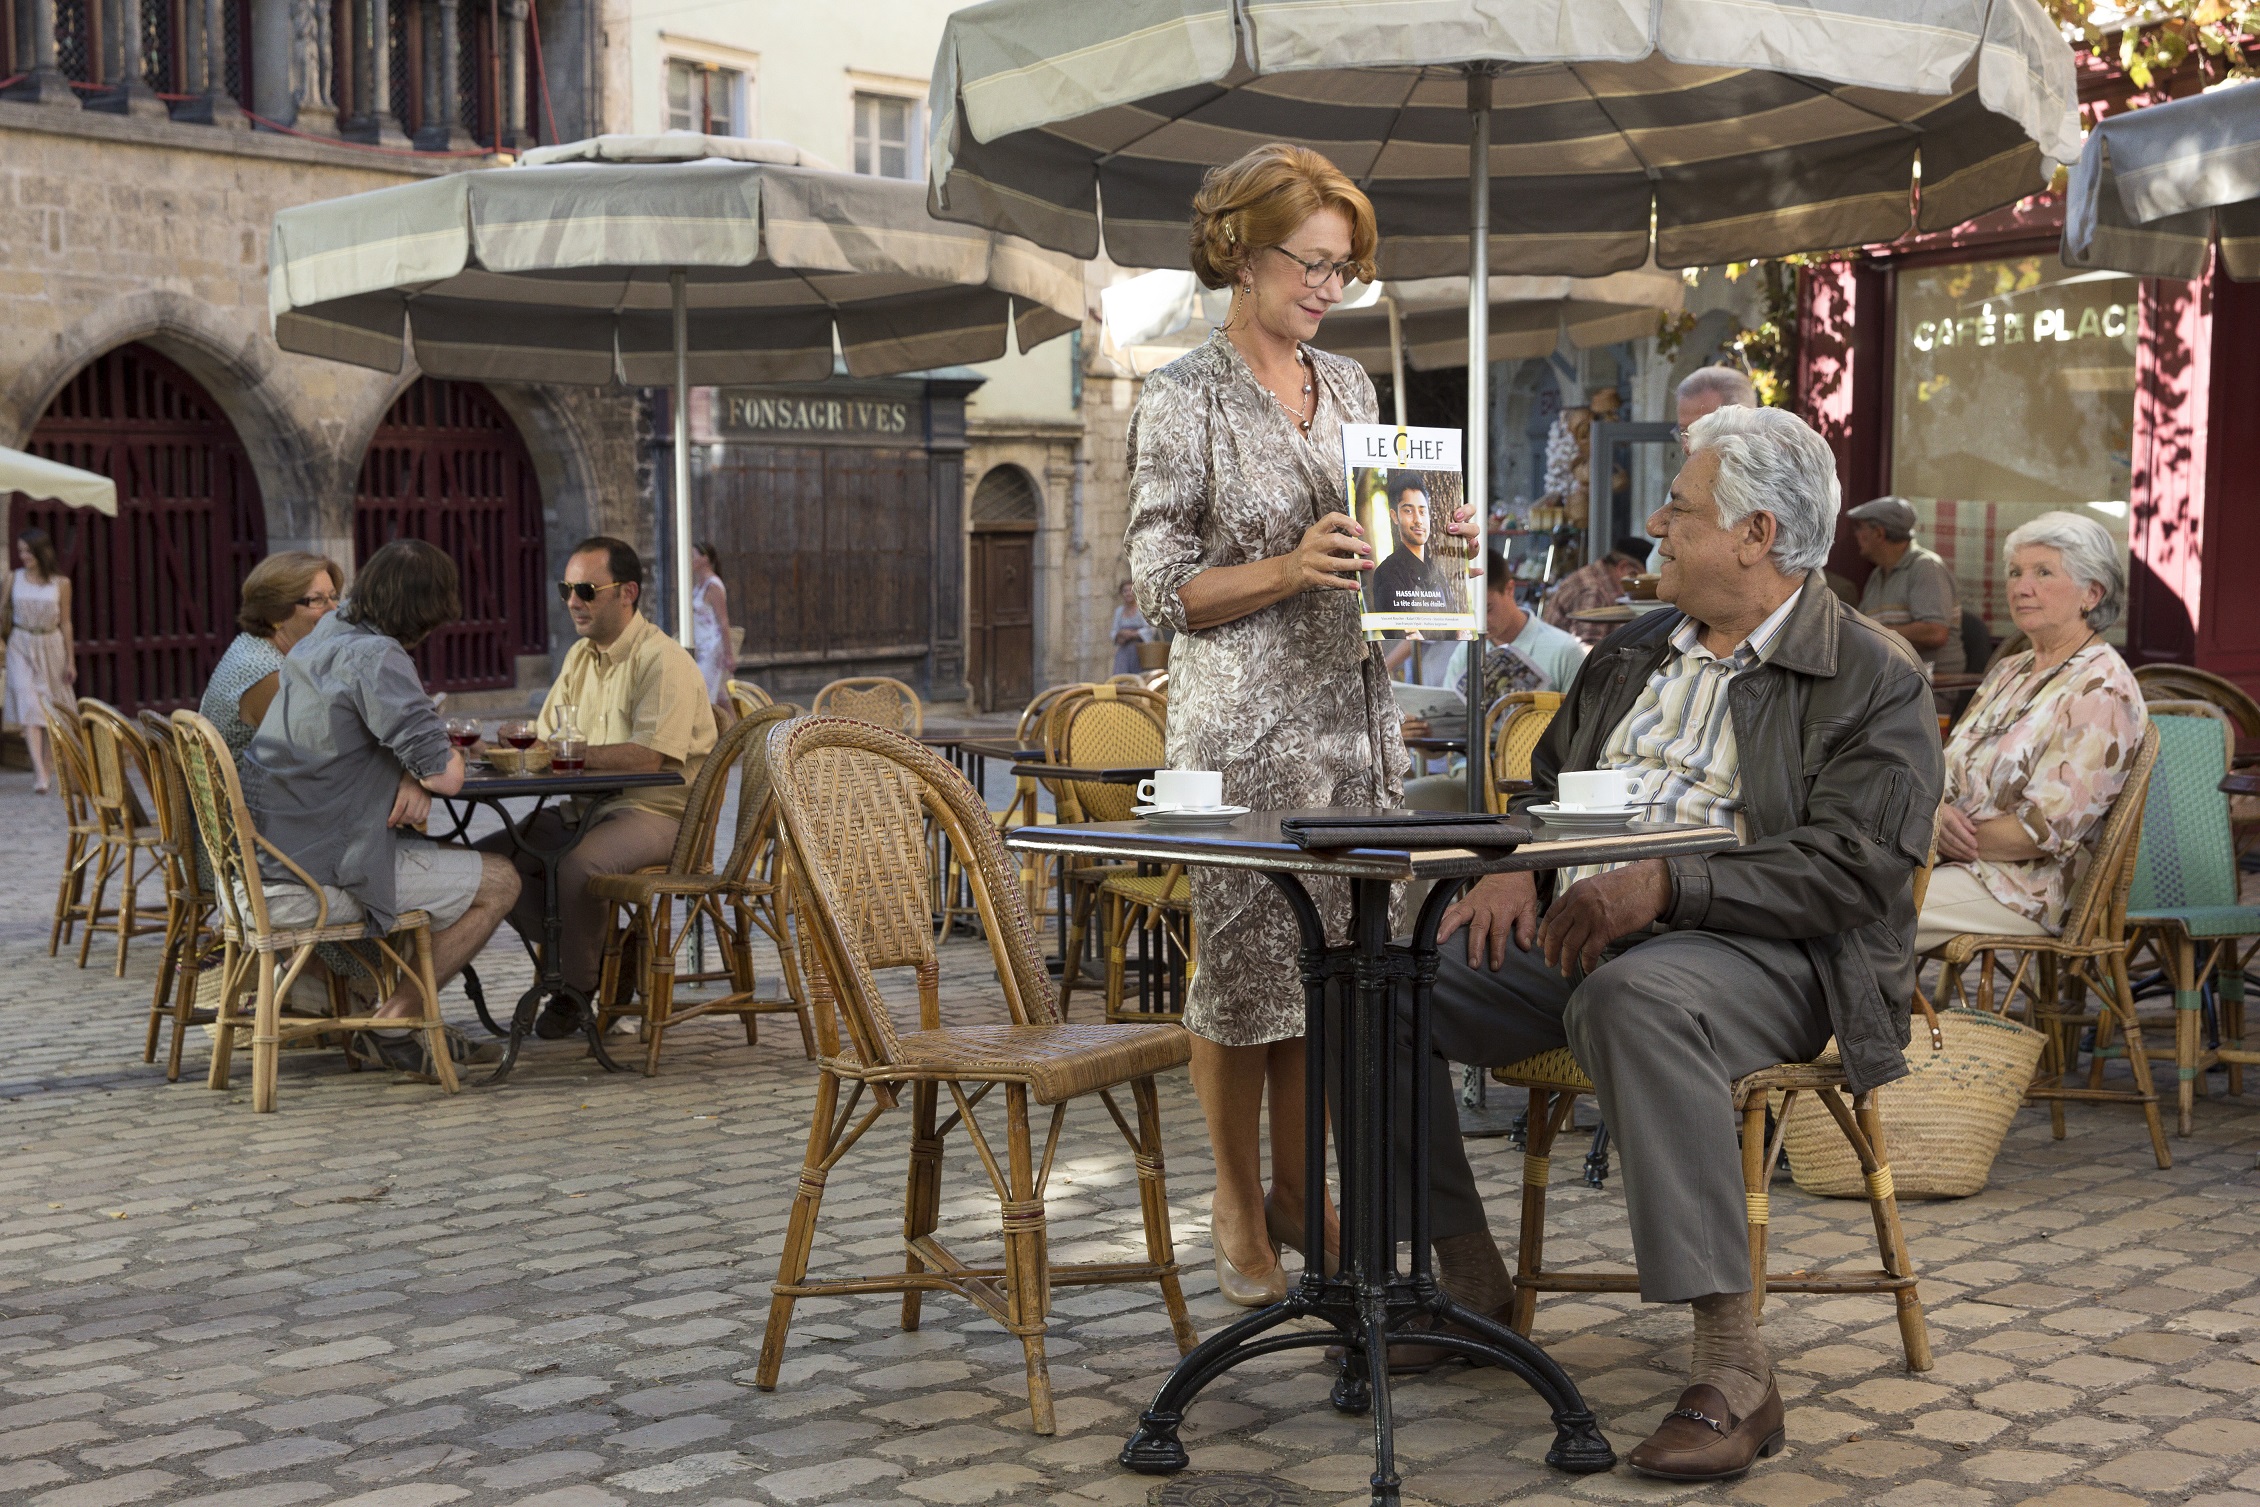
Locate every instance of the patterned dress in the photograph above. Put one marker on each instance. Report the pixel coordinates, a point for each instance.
(249, 660)
(2051, 750)
(1287, 703)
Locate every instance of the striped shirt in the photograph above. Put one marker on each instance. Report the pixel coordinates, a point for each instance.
(1678, 738)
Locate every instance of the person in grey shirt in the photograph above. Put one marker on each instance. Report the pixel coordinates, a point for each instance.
(350, 751)
(1911, 591)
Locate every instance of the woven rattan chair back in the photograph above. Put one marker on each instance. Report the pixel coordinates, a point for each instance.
(2096, 908)
(2172, 683)
(1516, 724)
(74, 763)
(755, 829)
(118, 751)
(702, 807)
(1101, 731)
(2185, 859)
(746, 698)
(855, 801)
(1030, 730)
(215, 794)
(876, 699)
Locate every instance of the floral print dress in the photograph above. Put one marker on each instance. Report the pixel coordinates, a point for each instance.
(2052, 750)
(1287, 703)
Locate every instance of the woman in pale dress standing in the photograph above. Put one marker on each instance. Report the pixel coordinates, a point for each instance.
(1239, 542)
(710, 628)
(41, 669)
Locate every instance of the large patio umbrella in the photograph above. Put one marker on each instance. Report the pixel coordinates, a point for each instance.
(2155, 188)
(1608, 131)
(656, 261)
(44, 480)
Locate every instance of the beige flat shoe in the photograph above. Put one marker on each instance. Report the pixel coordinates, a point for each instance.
(1238, 1287)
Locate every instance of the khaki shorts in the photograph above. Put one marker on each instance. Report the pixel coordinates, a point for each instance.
(427, 876)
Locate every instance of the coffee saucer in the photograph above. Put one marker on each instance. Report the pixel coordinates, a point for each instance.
(1190, 816)
(1552, 814)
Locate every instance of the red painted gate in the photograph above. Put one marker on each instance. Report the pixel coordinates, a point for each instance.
(447, 466)
(154, 589)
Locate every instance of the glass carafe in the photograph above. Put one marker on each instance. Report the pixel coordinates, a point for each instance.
(568, 745)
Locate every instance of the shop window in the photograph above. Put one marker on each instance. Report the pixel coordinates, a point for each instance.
(886, 135)
(2013, 396)
(704, 98)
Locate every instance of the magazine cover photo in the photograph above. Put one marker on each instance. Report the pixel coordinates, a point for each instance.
(1419, 583)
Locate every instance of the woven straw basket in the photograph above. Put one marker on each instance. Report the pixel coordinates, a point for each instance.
(1942, 1123)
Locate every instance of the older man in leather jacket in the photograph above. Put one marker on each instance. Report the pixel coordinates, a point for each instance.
(1767, 705)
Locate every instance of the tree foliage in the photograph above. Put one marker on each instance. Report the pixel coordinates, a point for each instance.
(2152, 38)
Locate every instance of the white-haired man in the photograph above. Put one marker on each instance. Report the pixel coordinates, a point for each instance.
(1766, 705)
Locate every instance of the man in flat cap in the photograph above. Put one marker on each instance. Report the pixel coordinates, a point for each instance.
(1910, 591)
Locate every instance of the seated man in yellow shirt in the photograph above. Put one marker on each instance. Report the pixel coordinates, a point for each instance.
(638, 697)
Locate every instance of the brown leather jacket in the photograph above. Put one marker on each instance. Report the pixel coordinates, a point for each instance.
(1841, 777)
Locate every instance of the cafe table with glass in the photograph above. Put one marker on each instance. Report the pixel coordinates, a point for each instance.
(524, 766)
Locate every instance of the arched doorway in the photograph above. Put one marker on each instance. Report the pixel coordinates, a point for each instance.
(153, 589)
(1000, 626)
(447, 466)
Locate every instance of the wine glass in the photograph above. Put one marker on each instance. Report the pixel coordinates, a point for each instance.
(462, 732)
(519, 735)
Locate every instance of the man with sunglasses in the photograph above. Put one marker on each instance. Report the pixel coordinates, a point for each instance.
(638, 697)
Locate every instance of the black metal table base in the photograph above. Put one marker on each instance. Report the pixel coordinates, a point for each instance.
(1351, 1026)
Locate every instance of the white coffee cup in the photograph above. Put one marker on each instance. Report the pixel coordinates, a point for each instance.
(1182, 787)
(1594, 789)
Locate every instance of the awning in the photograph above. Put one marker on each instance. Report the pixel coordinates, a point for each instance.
(44, 480)
(2155, 186)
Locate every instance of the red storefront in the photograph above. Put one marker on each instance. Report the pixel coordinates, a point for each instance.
(1976, 375)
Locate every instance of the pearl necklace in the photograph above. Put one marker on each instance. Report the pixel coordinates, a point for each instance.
(1302, 359)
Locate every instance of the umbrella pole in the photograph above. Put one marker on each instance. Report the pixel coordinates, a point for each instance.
(1476, 451)
(1396, 357)
(680, 567)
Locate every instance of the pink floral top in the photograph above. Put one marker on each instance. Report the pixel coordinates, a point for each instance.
(2050, 749)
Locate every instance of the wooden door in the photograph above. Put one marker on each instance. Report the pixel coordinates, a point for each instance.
(447, 466)
(153, 590)
(1000, 630)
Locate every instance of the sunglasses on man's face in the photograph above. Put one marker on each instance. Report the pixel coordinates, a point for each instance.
(568, 590)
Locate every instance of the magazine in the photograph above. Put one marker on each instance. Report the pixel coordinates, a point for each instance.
(1404, 486)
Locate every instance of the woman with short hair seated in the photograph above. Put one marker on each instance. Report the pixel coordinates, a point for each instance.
(282, 599)
(2036, 761)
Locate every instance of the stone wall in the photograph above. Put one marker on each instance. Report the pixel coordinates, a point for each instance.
(115, 230)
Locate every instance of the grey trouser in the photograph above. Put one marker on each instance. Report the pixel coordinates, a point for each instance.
(621, 843)
(1663, 1030)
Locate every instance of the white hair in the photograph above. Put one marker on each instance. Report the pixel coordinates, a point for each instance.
(1732, 388)
(2090, 555)
(1771, 461)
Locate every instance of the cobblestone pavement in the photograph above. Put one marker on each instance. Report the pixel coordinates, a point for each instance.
(553, 1294)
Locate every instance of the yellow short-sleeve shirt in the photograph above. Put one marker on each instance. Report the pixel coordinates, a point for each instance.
(645, 689)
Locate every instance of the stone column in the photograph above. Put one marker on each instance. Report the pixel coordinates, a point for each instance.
(443, 114)
(373, 120)
(132, 95)
(43, 83)
(510, 115)
(215, 103)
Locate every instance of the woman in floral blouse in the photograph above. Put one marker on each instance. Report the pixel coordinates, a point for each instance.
(2044, 748)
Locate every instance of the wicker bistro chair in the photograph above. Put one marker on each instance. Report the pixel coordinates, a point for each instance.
(1555, 1080)
(1514, 725)
(191, 929)
(2184, 683)
(746, 698)
(82, 829)
(876, 699)
(2182, 905)
(855, 800)
(128, 844)
(1095, 727)
(2090, 950)
(733, 902)
(261, 960)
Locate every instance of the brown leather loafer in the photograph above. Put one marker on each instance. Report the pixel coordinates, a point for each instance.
(1699, 1440)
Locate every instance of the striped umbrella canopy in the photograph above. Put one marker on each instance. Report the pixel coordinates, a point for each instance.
(1607, 133)
(654, 261)
(2154, 188)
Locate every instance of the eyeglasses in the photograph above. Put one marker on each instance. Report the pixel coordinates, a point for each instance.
(1319, 273)
(567, 590)
(325, 601)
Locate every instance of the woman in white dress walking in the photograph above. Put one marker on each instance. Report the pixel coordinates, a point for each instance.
(36, 617)
(710, 628)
